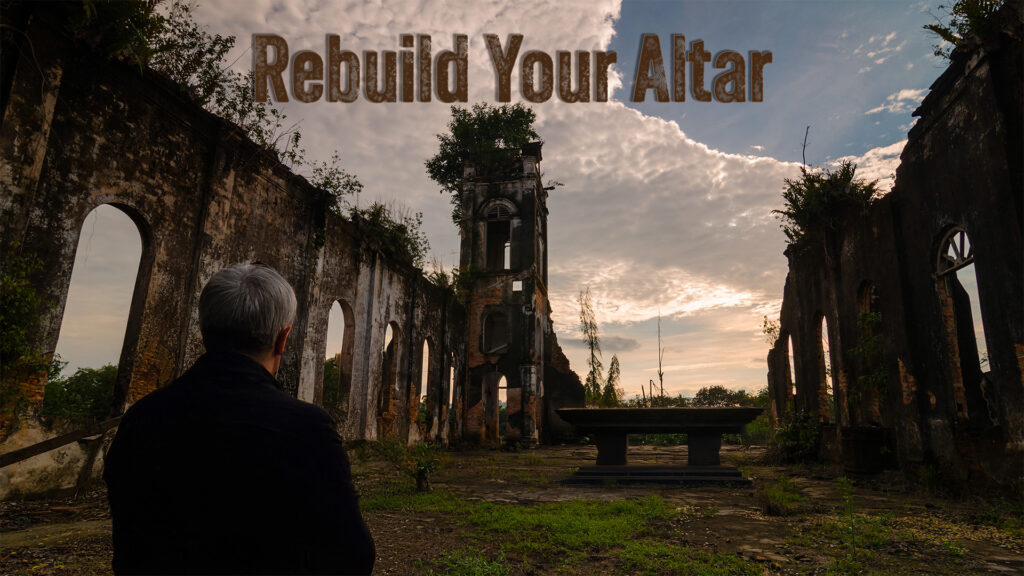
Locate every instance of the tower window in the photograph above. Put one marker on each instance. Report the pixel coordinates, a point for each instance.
(499, 237)
(495, 332)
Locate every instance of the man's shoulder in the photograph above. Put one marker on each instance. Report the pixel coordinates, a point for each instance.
(203, 394)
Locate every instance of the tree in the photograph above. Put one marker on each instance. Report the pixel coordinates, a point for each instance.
(816, 199)
(337, 182)
(770, 330)
(718, 395)
(611, 395)
(592, 340)
(330, 399)
(88, 394)
(966, 18)
(489, 138)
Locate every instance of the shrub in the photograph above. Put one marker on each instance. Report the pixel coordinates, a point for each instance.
(815, 201)
(780, 498)
(795, 439)
(758, 432)
(393, 231)
(88, 394)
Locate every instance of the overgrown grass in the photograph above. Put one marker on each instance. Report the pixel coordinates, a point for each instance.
(559, 533)
(657, 557)
(1006, 515)
(469, 562)
(781, 497)
(399, 493)
(567, 530)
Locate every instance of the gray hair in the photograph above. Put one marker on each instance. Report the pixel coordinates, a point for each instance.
(244, 307)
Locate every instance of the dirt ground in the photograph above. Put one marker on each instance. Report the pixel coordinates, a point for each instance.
(925, 532)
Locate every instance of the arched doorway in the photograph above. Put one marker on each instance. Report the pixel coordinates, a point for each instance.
(390, 381)
(827, 406)
(102, 316)
(337, 375)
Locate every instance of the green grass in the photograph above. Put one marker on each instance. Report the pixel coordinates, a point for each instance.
(401, 494)
(1006, 515)
(567, 530)
(469, 562)
(559, 533)
(533, 459)
(862, 543)
(780, 498)
(657, 557)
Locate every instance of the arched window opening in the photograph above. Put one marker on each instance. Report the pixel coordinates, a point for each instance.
(494, 394)
(958, 288)
(495, 332)
(502, 406)
(956, 263)
(828, 411)
(337, 379)
(424, 383)
(389, 380)
(499, 237)
(868, 351)
(790, 352)
(94, 330)
(451, 383)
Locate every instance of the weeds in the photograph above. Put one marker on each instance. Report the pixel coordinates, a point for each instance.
(469, 562)
(795, 439)
(780, 498)
(656, 557)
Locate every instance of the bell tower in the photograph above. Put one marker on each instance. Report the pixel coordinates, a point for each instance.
(504, 258)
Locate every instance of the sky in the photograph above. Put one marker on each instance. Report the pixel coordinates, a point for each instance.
(665, 208)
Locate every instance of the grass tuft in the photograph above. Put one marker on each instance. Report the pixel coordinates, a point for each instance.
(780, 498)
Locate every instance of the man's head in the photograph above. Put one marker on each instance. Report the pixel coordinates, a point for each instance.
(248, 309)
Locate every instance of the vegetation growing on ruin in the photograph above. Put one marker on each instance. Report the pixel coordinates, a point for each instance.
(488, 137)
(393, 231)
(817, 200)
(339, 184)
(796, 438)
(869, 349)
(961, 20)
(21, 365)
(166, 38)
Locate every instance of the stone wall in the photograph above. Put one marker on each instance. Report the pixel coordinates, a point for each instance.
(931, 401)
(79, 131)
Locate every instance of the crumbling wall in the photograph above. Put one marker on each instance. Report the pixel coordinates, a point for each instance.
(79, 131)
(960, 170)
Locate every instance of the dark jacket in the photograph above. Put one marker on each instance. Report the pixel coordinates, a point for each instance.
(223, 472)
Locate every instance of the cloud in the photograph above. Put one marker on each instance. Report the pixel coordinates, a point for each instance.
(611, 344)
(655, 222)
(878, 163)
(900, 102)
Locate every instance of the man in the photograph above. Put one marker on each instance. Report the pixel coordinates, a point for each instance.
(223, 472)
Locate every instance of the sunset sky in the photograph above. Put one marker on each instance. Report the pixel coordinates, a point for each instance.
(666, 206)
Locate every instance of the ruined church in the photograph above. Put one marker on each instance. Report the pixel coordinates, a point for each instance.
(880, 344)
(417, 363)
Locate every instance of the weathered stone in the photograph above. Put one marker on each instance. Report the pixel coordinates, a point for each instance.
(79, 131)
(961, 169)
